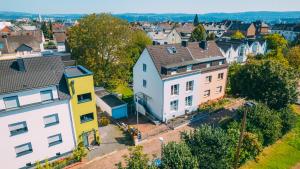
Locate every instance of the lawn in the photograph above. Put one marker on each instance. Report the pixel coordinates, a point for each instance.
(284, 154)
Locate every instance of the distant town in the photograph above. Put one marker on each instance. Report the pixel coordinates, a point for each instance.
(109, 91)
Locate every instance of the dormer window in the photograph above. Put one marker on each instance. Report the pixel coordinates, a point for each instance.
(173, 71)
(172, 50)
(221, 62)
(189, 68)
(208, 65)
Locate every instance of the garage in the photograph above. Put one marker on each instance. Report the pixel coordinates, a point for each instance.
(110, 104)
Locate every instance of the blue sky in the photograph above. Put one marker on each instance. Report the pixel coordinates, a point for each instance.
(147, 6)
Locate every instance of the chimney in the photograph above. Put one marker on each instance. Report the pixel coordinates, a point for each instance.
(203, 45)
(21, 65)
(184, 43)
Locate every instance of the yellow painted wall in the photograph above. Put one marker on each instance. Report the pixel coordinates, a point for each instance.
(82, 85)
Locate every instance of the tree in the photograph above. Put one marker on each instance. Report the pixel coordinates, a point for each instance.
(238, 35)
(268, 81)
(251, 147)
(233, 69)
(276, 42)
(210, 146)
(179, 156)
(196, 20)
(136, 159)
(288, 118)
(100, 43)
(198, 34)
(45, 30)
(293, 57)
(263, 121)
(211, 36)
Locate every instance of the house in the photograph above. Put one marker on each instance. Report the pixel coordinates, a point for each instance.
(238, 50)
(218, 29)
(172, 80)
(288, 31)
(185, 31)
(21, 44)
(60, 39)
(39, 105)
(161, 37)
(261, 28)
(248, 29)
(111, 104)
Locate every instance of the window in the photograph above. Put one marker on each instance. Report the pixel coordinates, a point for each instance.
(221, 62)
(54, 140)
(51, 120)
(11, 102)
(219, 89)
(189, 68)
(208, 65)
(242, 51)
(175, 89)
(189, 85)
(173, 71)
(174, 105)
(23, 149)
(208, 79)
(1, 46)
(46, 95)
(206, 93)
(18, 128)
(144, 67)
(220, 76)
(144, 83)
(86, 118)
(84, 97)
(189, 101)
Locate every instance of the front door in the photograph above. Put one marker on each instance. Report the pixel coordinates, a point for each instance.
(85, 139)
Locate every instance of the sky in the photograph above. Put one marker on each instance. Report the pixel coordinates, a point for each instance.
(146, 6)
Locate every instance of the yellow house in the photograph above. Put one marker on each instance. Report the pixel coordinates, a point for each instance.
(83, 104)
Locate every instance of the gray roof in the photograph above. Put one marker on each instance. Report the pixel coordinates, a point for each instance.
(226, 44)
(39, 72)
(184, 55)
(109, 99)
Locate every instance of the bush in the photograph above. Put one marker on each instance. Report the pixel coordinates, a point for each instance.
(288, 118)
(211, 146)
(250, 148)
(79, 152)
(212, 106)
(104, 121)
(179, 156)
(261, 119)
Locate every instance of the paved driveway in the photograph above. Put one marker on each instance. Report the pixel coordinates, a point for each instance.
(112, 139)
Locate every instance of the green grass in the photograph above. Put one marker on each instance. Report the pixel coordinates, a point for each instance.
(284, 154)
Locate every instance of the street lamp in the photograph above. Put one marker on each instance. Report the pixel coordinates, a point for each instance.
(247, 104)
(162, 145)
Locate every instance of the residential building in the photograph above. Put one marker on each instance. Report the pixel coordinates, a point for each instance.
(46, 110)
(288, 31)
(185, 31)
(261, 28)
(238, 50)
(36, 118)
(247, 29)
(172, 80)
(161, 37)
(218, 29)
(83, 104)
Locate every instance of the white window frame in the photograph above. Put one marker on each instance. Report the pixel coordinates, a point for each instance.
(208, 79)
(174, 105)
(220, 76)
(144, 67)
(206, 93)
(9, 99)
(188, 101)
(175, 89)
(46, 93)
(189, 85)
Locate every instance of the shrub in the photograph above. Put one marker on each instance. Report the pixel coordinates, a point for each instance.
(104, 121)
(79, 152)
(288, 118)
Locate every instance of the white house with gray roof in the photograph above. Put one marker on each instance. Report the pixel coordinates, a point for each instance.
(35, 116)
(172, 80)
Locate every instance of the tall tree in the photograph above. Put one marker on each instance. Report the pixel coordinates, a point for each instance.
(179, 156)
(293, 57)
(45, 30)
(198, 34)
(276, 42)
(100, 42)
(268, 81)
(211, 146)
(196, 20)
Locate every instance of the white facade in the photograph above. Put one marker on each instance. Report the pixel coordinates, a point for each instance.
(158, 91)
(33, 112)
(161, 37)
(239, 54)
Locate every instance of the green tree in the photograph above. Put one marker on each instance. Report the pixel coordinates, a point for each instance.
(100, 43)
(276, 42)
(238, 35)
(79, 152)
(196, 20)
(45, 30)
(288, 118)
(211, 36)
(198, 34)
(263, 121)
(293, 57)
(179, 156)
(136, 159)
(251, 147)
(210, 146)
(233, 69)
(268, 81)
